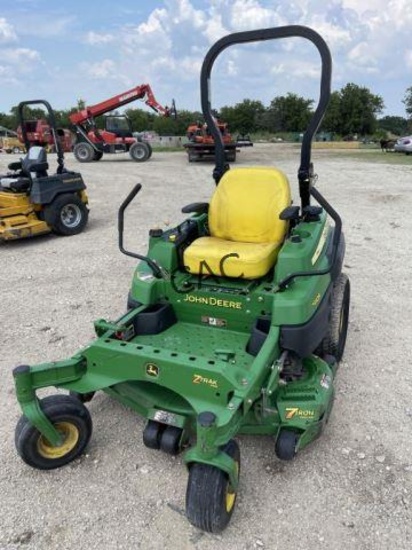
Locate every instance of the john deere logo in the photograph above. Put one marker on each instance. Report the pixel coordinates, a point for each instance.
(152, 370)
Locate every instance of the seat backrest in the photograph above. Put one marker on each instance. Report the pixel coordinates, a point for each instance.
(246, 205)
(36, 155)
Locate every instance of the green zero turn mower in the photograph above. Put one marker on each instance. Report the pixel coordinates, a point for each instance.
(236, 321)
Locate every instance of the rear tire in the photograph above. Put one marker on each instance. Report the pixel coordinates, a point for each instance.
(97, 155)
(335, 340)
(67, 215)
(192, 157)
(84, 152)
(139, 152)
(149, 147)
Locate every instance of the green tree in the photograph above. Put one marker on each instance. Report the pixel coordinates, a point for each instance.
(140, 120)
(332, 121)
(358, 109)
(290, 113)
(165, 126)
(8, 121)
(394, 124)
(408, 102)
(244, 116)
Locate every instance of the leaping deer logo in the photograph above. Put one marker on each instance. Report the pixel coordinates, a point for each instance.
(152, 370)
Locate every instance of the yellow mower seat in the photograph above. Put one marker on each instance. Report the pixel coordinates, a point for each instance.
(245, 230)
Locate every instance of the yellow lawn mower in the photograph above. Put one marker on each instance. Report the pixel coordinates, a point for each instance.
(32, 202)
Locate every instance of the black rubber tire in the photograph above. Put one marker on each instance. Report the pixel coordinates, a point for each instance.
(231, 157)
(65, 411)
(83, 152)
(97, 155)
(139, 152)
(335, 340)
(192, 157)
(170, 440)
(59, 214)
(82, 397)
(208, 490)
(152, 434)
(148, 145)
(286, 442)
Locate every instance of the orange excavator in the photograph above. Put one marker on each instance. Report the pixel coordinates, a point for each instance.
(117, 135)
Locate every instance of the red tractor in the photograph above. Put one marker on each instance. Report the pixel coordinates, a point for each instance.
(117, 135)
(38, 132)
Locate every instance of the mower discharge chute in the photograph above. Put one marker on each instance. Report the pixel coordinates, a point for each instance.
(34, 202)
(236, 321)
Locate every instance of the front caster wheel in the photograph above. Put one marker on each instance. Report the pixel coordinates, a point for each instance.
(170, 440)
(71, 418)
(152, 434)
(286, 445)
(210, 498)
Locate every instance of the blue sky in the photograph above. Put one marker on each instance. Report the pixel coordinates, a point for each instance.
(62, 51)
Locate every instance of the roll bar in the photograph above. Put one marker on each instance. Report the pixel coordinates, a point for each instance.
(52, 123)
(305, 171)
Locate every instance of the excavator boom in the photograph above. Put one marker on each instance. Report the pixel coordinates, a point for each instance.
(143, 92)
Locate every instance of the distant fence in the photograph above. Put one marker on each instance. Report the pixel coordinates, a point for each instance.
(168, 141)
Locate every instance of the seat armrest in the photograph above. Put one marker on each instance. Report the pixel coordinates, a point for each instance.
(15, 165)
(290, 213)
(196, 207)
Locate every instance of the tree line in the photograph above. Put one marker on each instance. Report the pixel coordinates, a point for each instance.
(353, 110)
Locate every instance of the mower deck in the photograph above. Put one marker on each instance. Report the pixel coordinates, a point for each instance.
(18, 218)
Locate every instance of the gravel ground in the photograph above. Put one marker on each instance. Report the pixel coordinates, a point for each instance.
(351, 489)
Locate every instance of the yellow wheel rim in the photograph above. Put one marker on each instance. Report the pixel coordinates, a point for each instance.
(231, 494)
(70, 435)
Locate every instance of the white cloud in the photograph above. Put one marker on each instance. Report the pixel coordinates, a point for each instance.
(20, 57)
(103, 69)
(362, 56)
(94, 38)
(214, 29)
(249, 14)
(154, 24)
(7, 32)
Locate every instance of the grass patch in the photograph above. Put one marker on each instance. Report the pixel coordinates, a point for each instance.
(375, 155)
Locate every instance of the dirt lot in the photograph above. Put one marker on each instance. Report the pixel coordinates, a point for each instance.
(351, 489)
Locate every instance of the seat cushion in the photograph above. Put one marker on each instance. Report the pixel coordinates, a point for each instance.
(219, 257)
(245, 230)
(15, 184)
(246, 204)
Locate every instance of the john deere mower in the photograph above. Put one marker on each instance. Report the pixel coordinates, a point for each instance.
(32, 202)
(236, 322)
